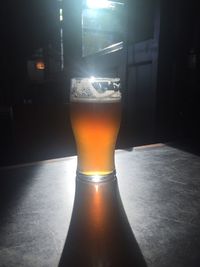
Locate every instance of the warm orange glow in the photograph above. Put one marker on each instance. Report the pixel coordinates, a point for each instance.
(95, 127)
(40, 65)
(98, 208)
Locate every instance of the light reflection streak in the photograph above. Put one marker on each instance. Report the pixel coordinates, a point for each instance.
(97, 188)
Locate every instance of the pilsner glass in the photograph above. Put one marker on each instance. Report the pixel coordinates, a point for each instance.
(99, 234)
(95, 117)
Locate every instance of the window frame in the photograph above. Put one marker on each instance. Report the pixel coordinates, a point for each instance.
(109, 49)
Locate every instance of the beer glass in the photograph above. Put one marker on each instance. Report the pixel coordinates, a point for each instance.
(99, 233)
(95, 107)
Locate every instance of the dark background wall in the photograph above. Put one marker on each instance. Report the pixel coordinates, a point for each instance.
(159, 67)
(178, 70)
(25, 27)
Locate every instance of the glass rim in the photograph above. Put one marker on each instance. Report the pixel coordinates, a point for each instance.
(95, 89)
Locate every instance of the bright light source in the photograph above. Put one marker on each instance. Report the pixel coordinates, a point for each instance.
(39, 65)
(92, 79)
(99, 4)
(61, 14)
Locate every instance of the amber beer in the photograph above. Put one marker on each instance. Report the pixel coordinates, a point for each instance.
(95, 124)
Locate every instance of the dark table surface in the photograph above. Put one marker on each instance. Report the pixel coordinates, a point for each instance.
(160, 190)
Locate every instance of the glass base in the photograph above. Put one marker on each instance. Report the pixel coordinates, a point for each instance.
(96, 178)
(99, 231)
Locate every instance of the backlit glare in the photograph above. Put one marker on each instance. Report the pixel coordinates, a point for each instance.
(92, 79)
(96, 178)
(61, 14)
(99, 4)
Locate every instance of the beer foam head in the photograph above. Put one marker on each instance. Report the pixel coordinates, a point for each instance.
(95, 90)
